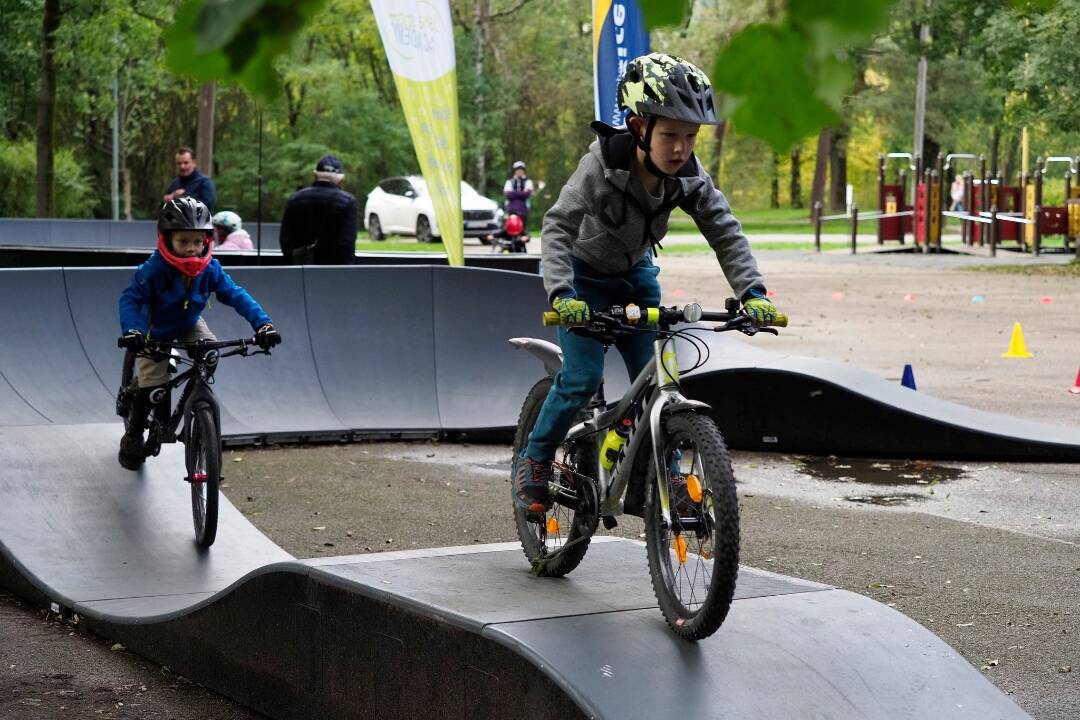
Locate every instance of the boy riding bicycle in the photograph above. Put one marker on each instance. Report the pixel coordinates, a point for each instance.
(165, 301)
(598, 240)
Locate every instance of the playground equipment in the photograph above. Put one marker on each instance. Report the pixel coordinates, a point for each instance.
(1061, 220)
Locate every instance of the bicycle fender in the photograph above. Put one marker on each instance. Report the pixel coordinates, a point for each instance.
(549, 353)
(685, 405)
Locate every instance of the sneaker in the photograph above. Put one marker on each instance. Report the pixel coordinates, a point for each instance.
(132, 453)
(530, 486)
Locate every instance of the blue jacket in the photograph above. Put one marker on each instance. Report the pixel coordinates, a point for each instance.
(159, 301)
(198, 186)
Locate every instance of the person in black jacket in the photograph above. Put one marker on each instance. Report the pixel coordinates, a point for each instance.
(190, 182)
(319, 225)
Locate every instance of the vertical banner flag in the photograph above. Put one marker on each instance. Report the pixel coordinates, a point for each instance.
(619, 36)
(419, 42)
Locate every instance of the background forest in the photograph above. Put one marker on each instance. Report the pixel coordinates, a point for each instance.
(525, 92)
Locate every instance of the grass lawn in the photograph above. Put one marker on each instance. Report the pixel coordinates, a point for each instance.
(1071, 269)
(695, 249)
(781, 221)
(397, 245)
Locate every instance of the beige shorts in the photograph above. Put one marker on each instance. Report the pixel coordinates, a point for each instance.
(151, 373)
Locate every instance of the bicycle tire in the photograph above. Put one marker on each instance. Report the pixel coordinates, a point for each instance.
(574, 526)
(203, 460)
(694, 579)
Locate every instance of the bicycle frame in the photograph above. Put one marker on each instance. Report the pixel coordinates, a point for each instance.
(655, 398)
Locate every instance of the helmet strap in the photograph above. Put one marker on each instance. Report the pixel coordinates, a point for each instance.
(645, 144)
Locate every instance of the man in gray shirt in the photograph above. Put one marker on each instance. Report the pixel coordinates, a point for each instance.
(599, 239)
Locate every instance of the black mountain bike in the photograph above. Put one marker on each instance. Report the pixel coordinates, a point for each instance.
(196, 416)
(655, 454)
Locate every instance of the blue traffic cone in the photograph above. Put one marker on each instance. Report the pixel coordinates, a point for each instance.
(908, 380)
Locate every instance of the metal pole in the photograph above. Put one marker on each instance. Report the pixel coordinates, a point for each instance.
(854, 226)
(920, 90)
(115, 150)
(258, 202)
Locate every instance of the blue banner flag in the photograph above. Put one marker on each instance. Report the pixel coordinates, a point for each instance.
(619, 36)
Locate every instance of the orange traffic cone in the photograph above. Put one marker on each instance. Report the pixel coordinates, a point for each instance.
(1017, 347)
(1075, 389)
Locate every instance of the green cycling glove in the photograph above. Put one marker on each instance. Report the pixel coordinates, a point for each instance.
(571, 310)
(761, 310)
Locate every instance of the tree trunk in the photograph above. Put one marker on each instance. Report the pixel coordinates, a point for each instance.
(821, 167)
(480, 36)
(838, 168)
(995, 149)
(796, 179)
(1010, 159)
(204, 135)
(719, 132)
(774, 185)
(125, 174)
(46, 110)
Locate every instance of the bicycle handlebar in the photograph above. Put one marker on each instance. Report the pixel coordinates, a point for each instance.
(200, 344)
(632, 315)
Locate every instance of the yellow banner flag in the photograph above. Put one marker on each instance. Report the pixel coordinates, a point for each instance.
(419, 41)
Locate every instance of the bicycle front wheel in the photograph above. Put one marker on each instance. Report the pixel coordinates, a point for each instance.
(556, 542)
(694, 558)
(203, 456)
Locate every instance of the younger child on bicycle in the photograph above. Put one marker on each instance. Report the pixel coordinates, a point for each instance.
(599, 238)
(165, 301)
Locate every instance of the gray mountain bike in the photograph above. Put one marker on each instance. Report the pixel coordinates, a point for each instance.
(655, 454)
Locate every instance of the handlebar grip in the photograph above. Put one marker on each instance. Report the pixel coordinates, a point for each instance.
(551, 318)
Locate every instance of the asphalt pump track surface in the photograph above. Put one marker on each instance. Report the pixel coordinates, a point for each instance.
(453, 632)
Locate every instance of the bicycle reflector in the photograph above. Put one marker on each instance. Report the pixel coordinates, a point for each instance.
(693, 487)
(552, 526)
(680, 548)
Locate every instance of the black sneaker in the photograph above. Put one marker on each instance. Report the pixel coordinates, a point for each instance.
(530, 485)
(132, 453)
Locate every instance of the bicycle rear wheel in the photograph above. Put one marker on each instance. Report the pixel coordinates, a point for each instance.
(556, 542)
(127, 386)
(694, 560)
(203, 457)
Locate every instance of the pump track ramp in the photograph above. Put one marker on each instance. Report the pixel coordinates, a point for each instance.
(452, 632)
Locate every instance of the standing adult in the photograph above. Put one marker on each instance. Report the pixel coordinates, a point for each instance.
(518, 189)
(319, 225)
(190, 182)
(956, 193)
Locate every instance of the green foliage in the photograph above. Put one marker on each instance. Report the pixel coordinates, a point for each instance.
(236, 39)
(663, 13)
(18, 164)
(786, 80)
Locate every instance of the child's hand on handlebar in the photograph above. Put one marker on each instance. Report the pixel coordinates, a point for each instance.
(761, 310)
(571, 310)
(267, 337)
(132, 340)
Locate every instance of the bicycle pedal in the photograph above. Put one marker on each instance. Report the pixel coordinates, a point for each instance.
(610, 522)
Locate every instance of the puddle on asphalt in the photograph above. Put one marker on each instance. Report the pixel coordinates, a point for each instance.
(893, 473)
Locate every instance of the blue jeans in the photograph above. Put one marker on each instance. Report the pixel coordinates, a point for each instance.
(583, 357)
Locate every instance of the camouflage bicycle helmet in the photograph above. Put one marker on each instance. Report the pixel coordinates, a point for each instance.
(184, 213)
(661, 85)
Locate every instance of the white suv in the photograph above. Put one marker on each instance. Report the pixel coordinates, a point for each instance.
(402, 205)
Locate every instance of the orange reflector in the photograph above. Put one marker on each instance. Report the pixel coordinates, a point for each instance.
(552, 526)
(693, 487)
(680, 549)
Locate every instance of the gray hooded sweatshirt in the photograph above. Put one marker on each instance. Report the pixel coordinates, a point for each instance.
(607, 219)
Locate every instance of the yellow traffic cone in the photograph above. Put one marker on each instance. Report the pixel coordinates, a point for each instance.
(1017, 348)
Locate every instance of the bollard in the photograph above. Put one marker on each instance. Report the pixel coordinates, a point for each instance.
(817, 225)
(993, 230)
(854, 226)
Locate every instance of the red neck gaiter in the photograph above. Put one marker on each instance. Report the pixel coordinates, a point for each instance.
(188, 266)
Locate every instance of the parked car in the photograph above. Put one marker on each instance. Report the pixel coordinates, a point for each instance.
(402, 205)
